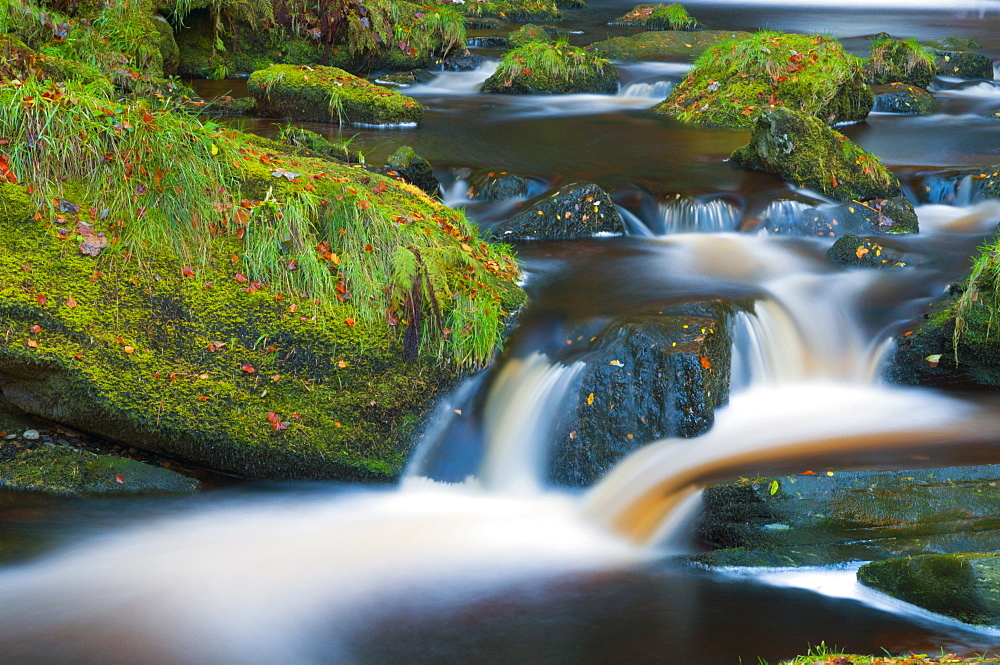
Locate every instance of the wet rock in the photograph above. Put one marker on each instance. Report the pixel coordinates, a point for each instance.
(414, 169)
(882, 216)
(551, 69)
(903, 98)
(30, 434)
(851, 251)
(802, 150)
(822, 519)
(497, 186)
(899, 61)
(964, 65)
(528, 33)
(405, 79)
(579, 210)
(953, 44)
(462, 62)
(960, 586)
(737, 80)
(658, 17)
(489, 41)
(661, 46)
(328, 94)
(60, 470)
(647, 377)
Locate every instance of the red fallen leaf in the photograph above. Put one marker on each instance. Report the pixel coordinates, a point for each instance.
(35, 329)
(808, 473)
(203, 398)
(276, 378)
(119, 340)
(240, 277)
(187, 271)
(369, 248)
(275, 421)
(833, 181)
(350, 322)
(33, 344)
(41, 299)
(705, 363)
(527, 72)
(363, 204)
(78, 356)
(71, 302)
(391, 318)
(248, 368)
(147, 117)
(120, 479)
(379, 188)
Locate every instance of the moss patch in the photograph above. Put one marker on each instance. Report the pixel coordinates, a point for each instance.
(658, 17)
(660, 46)
(539, 68)
(736, 80)
(900, 61)
(328, 94)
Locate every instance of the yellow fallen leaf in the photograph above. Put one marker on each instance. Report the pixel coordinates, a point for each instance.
(590, 399)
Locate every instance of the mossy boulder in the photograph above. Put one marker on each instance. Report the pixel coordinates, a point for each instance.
(737, 80)
(876, 216)
(903, 98)
(551, 69)
(496, 186)
(526, 34)
(658, 17)
(66, 471)
(851, 251)
(803, 150)
(578, 210)
(899, 61)
(309, 142)
(965, 587)
(329, 94)
(661, 46)
(964, 65)
(406, 164)
(519, 11)
(820, 519)
(647, 377)
(953, 44)
(169, 51)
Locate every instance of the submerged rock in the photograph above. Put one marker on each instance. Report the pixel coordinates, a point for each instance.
(497, 186)
(62, 470)
(737, 80)
(647, 377)
(899, 61)
(551, 69)
(578, 210)
(903, 98)
(661, 46)
(802, 150)
(964, 65)
(853, 252)
(328, 94)
(822, 519)
(960, 586)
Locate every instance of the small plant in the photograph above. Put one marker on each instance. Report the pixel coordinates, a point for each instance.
(900, 61)
(671, 17)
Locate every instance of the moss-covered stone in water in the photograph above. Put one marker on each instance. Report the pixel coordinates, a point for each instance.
(736, 80)
(552, 69)
(899, 61)
(964, 65)
(961, 586)
(62, 470)
(414, 169)
(577, 210)
(658, 17)
(328, 94)
(661, 46)
(528, 33)
(854, 252)
(953, 44)
(522, 11)
(496, 186)
(802, 150)
(903, 98)
(877, 216)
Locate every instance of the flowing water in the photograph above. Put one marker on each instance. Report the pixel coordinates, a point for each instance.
(494, 566)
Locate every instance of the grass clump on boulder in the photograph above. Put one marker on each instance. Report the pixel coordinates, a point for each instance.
(329, 94)
(538, 68)
(659, 17)
(660, 46)
(900, 61)
(736, 80)
(528, 33)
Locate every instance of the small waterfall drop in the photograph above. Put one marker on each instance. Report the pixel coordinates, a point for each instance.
(694, 216)
(653, 91)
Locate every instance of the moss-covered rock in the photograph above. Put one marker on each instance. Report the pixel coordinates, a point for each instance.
(899, 61)
(520, 11)
(578, 210)
(496, 186)
(964, 65)
(877, 216)
(661, 46)
(961, 586)
(552, 69)
(405, 79)
(328, 94)
(802, 150)
(853, 252)
(903, 98)
(414, 169)
(169, 51)
(526, 34)
(310, 143)
(819, 519)
(953, 44)
(736, 80)
(62, 470)
(646, 377)
(658, 17)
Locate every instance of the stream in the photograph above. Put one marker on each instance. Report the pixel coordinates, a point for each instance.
(474, 558)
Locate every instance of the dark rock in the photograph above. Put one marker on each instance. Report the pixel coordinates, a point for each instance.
(414, 169)
(489, 41)
(802, 150)
(960, 586)
(882, 216)
(497, 186)
(579, 210)
(647, 377)
(405, 79)
(854, 252)
(964, 65)
(899, 61)
(849, 516)
(462, 62)
(61, 470)
(903, 98)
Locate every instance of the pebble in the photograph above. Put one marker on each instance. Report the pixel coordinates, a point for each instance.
(10, 437)
(31, 434)
(64, 442)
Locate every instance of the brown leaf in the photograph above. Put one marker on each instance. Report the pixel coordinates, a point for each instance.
(128, 349)
(71, 302)
(92, 243)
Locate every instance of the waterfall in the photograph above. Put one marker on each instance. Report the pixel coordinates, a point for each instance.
(694, 216)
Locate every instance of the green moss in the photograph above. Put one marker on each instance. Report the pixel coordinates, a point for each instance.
(736, 80)
(660, 45)
(328, 94)
(658, 17)
(528, 33)
(802, 150)
(61, 470)
(512, 10)
(539, 68)
(899, 61)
